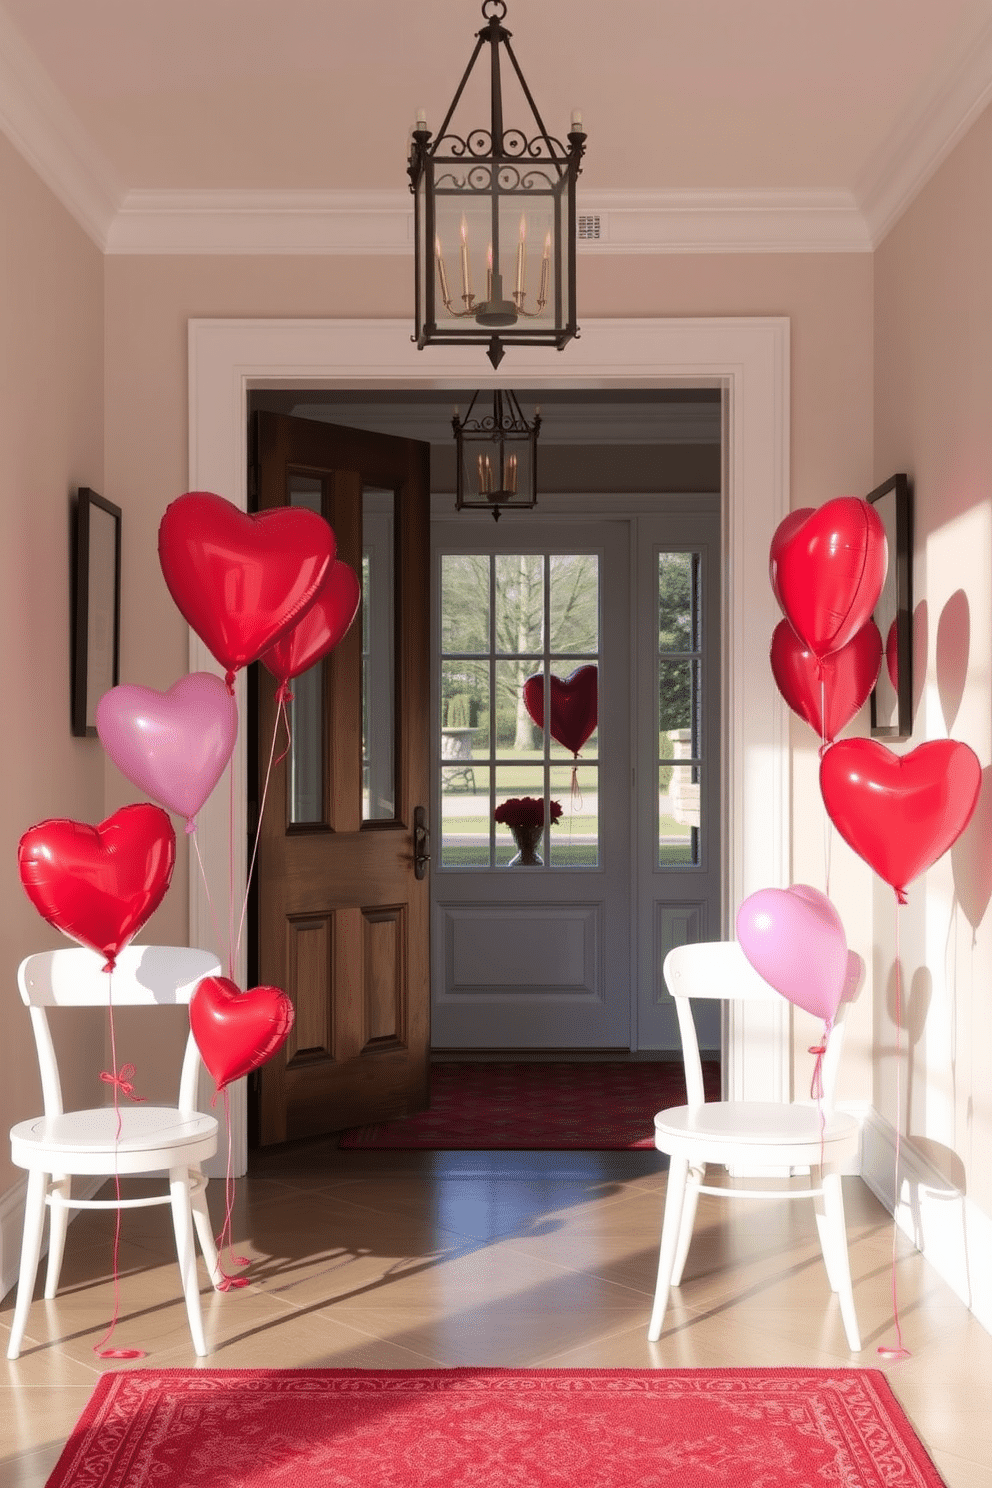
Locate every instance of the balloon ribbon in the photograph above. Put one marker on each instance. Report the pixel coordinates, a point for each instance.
(122, 1080)
(885, 1350)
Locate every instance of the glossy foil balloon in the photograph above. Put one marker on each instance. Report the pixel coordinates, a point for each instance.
(237, 1031)
(320, 629)
(242, 580)
(848, 676)
(172, 745)
(100, 884)
(827, 567)
(794, 939)
(574, 705)
(900, 812)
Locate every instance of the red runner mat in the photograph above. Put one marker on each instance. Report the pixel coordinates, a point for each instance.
(543, 1106)
(493, 1428)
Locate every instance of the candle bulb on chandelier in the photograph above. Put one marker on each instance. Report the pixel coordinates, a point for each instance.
(442, 276)
(545, 272)
(466, 280)
(489, 275)
(521, 261)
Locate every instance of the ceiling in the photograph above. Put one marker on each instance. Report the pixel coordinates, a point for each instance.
(246, 125)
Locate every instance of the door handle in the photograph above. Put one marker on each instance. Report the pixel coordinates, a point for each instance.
(421, 843)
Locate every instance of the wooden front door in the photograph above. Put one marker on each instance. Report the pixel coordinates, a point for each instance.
(342, 907)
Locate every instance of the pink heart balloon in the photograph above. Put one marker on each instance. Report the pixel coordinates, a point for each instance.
(173, 745)
(794, 939)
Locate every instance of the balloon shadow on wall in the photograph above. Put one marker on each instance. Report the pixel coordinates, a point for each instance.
(971, 858)
(921, 645)
(953, 647)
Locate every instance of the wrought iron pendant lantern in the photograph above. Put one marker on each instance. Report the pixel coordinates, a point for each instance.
(494, 218)
(496, 456)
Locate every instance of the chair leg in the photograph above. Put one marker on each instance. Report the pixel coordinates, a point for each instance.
(670, 1234)
(823, 1227)
(182, 1222)
(34, 1224)
(839, 1266)
(204, 1230)
(689, 1203)
(58, 1224)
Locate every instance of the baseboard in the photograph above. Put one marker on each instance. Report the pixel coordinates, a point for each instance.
(934, 1212)
(12, 1224)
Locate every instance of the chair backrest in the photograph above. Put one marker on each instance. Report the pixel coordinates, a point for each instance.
(719, 969)
(144, 976)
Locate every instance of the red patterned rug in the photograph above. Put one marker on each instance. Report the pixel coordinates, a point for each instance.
(493, 1428)
(544, 1106)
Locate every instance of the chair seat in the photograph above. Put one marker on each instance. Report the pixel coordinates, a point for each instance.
(151, 1137)
(752, 1124)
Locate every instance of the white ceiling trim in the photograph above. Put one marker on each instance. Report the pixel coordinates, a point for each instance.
(375, 222)
(39, 123)
(941, 114)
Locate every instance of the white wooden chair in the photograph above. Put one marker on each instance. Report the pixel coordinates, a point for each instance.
(760, 1135)
(59, 1144)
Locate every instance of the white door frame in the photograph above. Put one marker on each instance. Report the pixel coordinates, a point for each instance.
(749, 359)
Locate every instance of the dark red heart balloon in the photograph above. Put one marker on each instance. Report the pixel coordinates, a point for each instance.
(99, 884)
(900, 812)
(827, 568)
(320, 628)
(848, 676)
(574, 705)
(242, 580)
(237, 1031)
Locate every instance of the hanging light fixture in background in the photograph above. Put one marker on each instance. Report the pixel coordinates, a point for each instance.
(496, 455)
(494, 221)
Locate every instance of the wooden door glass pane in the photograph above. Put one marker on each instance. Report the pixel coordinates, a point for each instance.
(305, 774)
(378, 655)
(680, 693)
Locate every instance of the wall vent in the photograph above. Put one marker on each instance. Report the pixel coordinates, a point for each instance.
(589, 230)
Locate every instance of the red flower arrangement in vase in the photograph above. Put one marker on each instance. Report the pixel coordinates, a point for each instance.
(524, 815)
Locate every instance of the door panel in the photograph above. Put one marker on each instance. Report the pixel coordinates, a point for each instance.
(342, 922)
(531, 956)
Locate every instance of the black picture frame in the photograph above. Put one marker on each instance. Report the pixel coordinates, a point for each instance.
(96, 640)
(892, 702)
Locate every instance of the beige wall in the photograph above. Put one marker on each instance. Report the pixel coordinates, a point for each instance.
(828, 300)
(933, 419)
(51, 435)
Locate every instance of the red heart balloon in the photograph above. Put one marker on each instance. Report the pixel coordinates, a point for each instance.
(237, 1031)
(241, 580)
(827, 568)
(574, 705)
(320, 628)
(848, 676)
(99, 884)
(900, 812)
(892, 654)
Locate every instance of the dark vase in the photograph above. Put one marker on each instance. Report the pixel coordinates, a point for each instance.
(526, 838)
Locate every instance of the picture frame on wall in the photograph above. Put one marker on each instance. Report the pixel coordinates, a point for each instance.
(97, 612)
(892, 697)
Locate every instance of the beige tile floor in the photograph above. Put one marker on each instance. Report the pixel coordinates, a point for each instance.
(418, 1260)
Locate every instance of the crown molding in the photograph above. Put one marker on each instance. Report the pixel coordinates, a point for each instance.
(939, 116)
(39, 123)
(374, 222)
